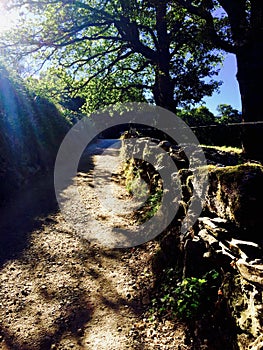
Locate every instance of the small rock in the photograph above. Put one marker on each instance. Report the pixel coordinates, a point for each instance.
(80, 332)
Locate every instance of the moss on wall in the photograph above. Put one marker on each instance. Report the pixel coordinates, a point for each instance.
(235, 193)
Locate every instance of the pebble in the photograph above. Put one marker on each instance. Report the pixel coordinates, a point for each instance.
(79, 331)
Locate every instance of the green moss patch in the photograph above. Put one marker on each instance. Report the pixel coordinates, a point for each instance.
(235, 193)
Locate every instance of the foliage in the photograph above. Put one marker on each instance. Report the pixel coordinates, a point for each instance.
(143, 182)
(197, 116)
(60, 87)
(187, 298)
(26, 123)
(134, 173)
(149, 46)
(133, 180)
(228, 24)
(152, 205)
(201, 115)
(228, 114)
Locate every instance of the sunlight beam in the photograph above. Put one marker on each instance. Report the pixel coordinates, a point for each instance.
(8, 19)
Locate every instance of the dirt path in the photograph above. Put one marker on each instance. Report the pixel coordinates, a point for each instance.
(64, 292)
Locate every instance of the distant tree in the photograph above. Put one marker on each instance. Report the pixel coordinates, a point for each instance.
(228, 115)
(197, 116)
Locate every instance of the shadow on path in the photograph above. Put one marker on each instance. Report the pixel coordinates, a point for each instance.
(22, 213)
(26, 209)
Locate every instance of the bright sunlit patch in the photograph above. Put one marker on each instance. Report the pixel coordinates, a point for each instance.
(7, 19)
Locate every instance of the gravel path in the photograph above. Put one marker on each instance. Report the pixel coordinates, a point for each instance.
(63, 291)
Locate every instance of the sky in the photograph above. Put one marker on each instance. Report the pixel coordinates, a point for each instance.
(229, 90)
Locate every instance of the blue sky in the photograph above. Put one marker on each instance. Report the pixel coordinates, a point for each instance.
(229, 90)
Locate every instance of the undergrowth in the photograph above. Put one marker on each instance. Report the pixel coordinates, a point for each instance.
(142, 182)
(151, 206)
(186, 299)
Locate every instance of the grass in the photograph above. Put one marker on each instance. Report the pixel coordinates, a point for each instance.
(227, 149)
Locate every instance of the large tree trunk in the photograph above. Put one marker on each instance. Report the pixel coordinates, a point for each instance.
(163, 86)
(249, 76)
(164, 91)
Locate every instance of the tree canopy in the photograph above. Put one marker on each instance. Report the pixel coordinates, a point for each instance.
(152, 46)
(167, 49)
(239, 29)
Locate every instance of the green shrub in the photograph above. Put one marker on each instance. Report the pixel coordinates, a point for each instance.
(186, 299)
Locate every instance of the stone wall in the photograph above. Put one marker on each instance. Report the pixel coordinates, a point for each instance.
(227, 238)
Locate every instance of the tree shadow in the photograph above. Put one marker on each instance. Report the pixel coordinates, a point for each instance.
(22, 214)
(26, 209)
(47, 297)
(44, 297)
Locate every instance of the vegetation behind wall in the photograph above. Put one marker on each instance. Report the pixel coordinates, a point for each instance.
(31, 130)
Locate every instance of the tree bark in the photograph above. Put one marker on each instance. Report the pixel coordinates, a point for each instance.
(247, 34)
(249, 76)
(163, 90)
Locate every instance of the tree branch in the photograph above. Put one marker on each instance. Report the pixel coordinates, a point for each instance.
(106, 68)
(205, 14)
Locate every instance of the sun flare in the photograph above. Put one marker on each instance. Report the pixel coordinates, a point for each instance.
(7, 19)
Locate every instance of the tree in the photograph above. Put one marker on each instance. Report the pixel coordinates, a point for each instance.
(197, 116)
(60, 87)
(149, 45)
(239, 30)
(228, 114)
